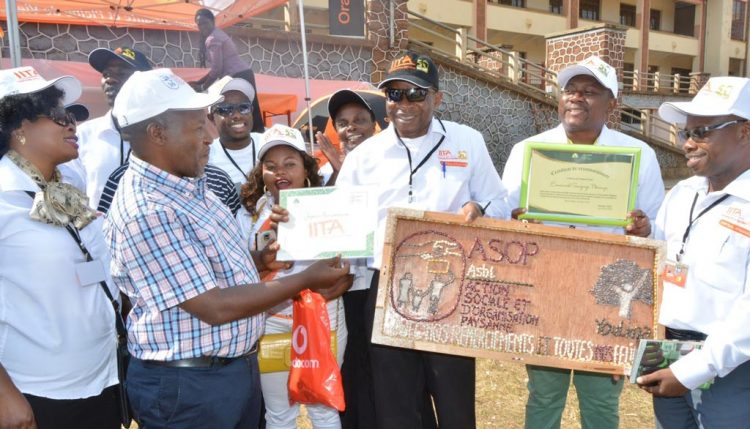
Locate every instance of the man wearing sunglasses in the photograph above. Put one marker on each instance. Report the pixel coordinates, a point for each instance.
(236, 149)
(588, 94)
(705, 221)
(424, 163)
(102, 149)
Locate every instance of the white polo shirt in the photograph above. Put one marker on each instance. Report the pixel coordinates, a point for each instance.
(716, 297)
(57, 337)
(100, 152)
(246, 158)
(650, 185)
(460, 170)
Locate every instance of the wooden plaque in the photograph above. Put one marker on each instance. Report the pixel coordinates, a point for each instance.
(515, 291)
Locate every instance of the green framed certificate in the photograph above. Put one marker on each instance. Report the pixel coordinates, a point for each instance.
(324, 222)
(586, 184)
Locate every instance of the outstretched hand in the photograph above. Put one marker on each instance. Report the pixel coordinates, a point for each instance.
(329, 277)
(329, 150)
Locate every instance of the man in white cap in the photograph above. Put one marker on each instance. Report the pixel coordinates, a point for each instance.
(178, 254)
(404, 164)
(705, 221)
(236, 149)
(102, 148)
(588, 94)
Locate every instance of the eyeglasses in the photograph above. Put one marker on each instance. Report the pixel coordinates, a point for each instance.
(61, 117)
(699, 134)
(414, 95)
(228, 109)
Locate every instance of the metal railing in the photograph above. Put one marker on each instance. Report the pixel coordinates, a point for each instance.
(496, 61)
(507, 65)
(635, 81)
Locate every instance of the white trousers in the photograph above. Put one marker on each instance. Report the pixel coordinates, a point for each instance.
(281, 415)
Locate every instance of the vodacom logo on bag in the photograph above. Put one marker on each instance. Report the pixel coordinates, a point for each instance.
(299, 343)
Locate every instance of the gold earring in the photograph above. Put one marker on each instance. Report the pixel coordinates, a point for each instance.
(21, 139)
(265, 189)
(308, 183)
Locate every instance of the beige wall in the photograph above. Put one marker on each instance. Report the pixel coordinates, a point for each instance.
(719, 46)
(523, 21)
(451, 12)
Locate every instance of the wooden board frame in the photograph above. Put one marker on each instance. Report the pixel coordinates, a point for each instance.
(512, 304)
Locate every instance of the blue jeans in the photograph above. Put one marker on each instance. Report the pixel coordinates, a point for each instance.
(724, 405)
(220, 397)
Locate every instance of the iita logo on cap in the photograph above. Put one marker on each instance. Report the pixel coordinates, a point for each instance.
(280, 132)
(404, 63)
(600, 65)
(25, 74)
(125, 52)
(169, 81)
(724, 90)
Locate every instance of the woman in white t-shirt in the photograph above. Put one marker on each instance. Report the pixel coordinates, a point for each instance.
(57, 326)
(284, 164)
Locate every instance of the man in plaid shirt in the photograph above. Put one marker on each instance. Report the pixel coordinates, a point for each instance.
(178, 255)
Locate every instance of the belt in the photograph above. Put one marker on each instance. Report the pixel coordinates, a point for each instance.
(200, 362)
(684, 334)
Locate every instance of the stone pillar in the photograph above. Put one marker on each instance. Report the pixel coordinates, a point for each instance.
(379, 31)
(573, 46)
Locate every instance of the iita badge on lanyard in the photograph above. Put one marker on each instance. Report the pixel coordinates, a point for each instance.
(91, 272)
(675, 273)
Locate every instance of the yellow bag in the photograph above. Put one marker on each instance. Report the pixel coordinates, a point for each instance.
(275, 350)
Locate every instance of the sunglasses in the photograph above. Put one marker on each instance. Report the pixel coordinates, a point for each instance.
(61, 117)
(228, 109)
(414, 95)
(699, 134)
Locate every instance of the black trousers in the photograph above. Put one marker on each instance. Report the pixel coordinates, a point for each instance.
(403, 380)
(258, 125)
(96, 412)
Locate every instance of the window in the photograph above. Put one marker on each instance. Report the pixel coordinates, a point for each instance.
(627, 15)
(589, 10)
(514, 3)
(655, 22)
(684, 18)
(555, 6)
(738, 20)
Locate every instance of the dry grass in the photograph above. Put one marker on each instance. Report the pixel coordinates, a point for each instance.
(501, 398)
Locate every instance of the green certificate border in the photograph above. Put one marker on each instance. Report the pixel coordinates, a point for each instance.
(367, 252)
(565, 150)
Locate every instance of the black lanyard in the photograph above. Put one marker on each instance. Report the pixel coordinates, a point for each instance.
(692, 221)
(413, 171)
(237, 166)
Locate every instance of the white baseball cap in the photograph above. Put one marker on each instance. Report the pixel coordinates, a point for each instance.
(229, 83)
(591, 66)
(26, 80)
(150, 93)
(720, 96)
(281, 135)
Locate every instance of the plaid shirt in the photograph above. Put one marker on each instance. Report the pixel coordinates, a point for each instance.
(172, 241)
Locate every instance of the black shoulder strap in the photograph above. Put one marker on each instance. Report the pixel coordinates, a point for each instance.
(119, 324)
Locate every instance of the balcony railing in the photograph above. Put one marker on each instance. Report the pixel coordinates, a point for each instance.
(635, 81)
(507, 65)
(493, 60)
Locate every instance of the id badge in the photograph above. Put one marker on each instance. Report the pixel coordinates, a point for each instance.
(675, 273)
(91, 272)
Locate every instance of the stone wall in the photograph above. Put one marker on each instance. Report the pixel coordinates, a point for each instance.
(268, 52)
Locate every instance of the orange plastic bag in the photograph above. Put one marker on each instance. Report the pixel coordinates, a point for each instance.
(314, 376)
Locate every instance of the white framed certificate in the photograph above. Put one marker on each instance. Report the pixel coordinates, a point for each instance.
(328, 221)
